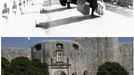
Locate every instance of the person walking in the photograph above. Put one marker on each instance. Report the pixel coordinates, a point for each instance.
(5, 11)
(14, 7)
(24, 3)
(93, 5)
(68, 3)
(20, 6)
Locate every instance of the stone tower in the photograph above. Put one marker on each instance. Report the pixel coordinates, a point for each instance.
(76, 56)
(99, 50)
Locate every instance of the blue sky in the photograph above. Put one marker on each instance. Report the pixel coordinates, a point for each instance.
(23, 42)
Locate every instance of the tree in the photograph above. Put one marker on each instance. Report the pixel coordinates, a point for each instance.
(42, 67)
(23, 66)
(20, 66)
(5, 66)
(111, 68)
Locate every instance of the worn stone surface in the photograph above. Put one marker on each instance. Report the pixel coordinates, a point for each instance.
(11, 53)
(126, 50)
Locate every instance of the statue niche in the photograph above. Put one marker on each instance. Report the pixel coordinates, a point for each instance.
(59, 61)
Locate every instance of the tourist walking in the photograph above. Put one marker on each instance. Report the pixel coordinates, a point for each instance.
(14, 7)
(24, 3)
(93, 5)
(5, 11)
(20, 6)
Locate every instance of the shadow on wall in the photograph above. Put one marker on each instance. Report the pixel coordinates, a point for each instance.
(46, 25)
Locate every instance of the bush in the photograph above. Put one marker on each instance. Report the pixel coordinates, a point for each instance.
(36, 62)
(20, 65)
(23, 66)
(5, 66)
(42, 67)
(111, 68)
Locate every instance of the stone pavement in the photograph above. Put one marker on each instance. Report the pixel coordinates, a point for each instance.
(119, 10)
(66, 22)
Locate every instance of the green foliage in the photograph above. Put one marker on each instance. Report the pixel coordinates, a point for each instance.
(43, 67)
(23, 66)
(111, 68)
(36, 62)
(20, 65)
(5, 66)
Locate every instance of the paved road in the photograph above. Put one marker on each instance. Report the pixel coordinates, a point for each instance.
(66, 22)
(124, 11)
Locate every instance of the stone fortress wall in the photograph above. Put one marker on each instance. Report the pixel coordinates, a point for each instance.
(11, 53)
(126, 50)
(84, 54)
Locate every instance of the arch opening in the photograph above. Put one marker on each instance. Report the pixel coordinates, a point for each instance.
(59, 73)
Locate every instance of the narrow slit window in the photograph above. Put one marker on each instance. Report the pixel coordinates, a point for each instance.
(59, 46)
(75, 47)
(38, 47)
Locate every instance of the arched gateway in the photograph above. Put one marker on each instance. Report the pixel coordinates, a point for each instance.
(59, 63)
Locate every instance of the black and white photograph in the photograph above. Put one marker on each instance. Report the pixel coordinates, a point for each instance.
(66, 17)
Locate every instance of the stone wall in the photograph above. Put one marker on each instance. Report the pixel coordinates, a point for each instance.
(48, 51)
(126, 50)
(11, 53)
(92, 52)
(98, 50)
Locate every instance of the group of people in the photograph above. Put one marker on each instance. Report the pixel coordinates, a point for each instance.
(93, 4)
(6, 10)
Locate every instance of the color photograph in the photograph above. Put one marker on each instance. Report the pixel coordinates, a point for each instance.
(67, 55)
